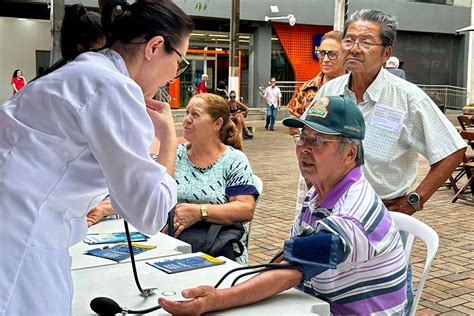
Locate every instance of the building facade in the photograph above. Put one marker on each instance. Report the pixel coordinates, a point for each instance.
(430, 50)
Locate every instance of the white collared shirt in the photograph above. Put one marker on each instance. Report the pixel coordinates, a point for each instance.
(272, 95)
(401, 121)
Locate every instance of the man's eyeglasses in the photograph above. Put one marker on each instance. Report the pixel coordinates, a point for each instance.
(348, 43)
(183, 64)
(332, 54)
(317, 141)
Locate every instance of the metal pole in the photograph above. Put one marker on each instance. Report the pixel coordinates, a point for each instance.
(56, 18)
(234, 48)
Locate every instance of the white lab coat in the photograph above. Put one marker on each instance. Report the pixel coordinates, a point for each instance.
(65, 140)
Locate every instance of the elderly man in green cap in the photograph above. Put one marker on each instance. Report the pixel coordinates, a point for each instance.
(354, 259)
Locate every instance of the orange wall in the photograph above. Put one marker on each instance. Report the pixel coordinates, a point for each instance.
(297, 42)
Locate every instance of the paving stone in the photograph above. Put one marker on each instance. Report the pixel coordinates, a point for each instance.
(436, 307)
(462, 308)
(452, 302)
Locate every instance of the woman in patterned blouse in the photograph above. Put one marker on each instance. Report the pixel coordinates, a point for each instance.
(331, 62)
(215, 180)
(210, 169)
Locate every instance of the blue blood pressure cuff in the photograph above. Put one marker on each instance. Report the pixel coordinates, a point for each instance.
(315, 254)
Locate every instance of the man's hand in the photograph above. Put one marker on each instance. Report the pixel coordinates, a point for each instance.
(203, 299)
(160, 114)
(185, 215)
(400, 205)
(95, 214)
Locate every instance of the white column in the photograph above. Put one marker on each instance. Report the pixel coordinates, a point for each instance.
(56, 18)
(470, 70)
(339, 15)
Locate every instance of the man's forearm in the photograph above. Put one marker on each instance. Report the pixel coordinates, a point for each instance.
(258, 288)
(438, 174)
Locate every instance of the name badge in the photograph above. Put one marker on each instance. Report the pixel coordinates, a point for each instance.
(387, 118)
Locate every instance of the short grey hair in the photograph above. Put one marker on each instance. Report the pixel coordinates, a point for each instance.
(388, 24)
(345, 141)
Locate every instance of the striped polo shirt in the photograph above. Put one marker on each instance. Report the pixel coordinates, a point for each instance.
(371, 279)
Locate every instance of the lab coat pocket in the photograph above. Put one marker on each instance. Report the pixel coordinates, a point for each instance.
(44, 285)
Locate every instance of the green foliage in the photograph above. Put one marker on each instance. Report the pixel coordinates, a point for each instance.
(470, 105)
(201, 5)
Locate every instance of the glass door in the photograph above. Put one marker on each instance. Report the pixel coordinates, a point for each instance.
(202, 62)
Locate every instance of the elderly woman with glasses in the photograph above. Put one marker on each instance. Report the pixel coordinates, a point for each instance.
(238, 113)
(331, 63)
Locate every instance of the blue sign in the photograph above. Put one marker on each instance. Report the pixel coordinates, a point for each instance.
(316, 43)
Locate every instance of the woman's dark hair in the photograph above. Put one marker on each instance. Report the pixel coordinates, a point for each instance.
(15, 73)
(217, 107)
(145, 19)
(221, 84)
(80, 30)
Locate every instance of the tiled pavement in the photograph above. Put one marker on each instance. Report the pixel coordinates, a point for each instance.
(449, 289)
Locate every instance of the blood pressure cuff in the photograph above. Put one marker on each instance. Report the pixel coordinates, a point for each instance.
(315, 254)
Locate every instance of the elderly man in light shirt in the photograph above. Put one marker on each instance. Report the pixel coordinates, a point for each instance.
(401, 120)
(272, 95)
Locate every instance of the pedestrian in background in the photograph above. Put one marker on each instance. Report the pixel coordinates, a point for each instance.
(221, 89)
(392, 65)
(272, 95)
(18, 81)
(201, 87)
(238, 113)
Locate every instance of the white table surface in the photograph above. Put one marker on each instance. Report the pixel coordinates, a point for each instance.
(165, 246)
(117, 283)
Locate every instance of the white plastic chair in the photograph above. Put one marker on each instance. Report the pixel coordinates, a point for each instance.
(416, 229)
(258, 183)
(259, 187)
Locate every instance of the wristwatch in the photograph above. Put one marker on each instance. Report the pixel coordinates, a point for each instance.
(203, 209)
(414, 200)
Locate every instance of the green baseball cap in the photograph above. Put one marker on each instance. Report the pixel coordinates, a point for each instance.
(335, 115)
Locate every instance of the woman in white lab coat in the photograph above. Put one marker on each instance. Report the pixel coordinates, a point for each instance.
(77, 133)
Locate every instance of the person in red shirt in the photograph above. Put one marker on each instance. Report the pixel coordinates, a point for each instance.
(18, 81)
(201, 87)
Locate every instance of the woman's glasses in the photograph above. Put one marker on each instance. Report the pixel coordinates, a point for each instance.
(183, 64)
(232, 97)
(332, 54)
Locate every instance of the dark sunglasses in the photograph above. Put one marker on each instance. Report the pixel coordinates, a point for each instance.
(232, 96)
